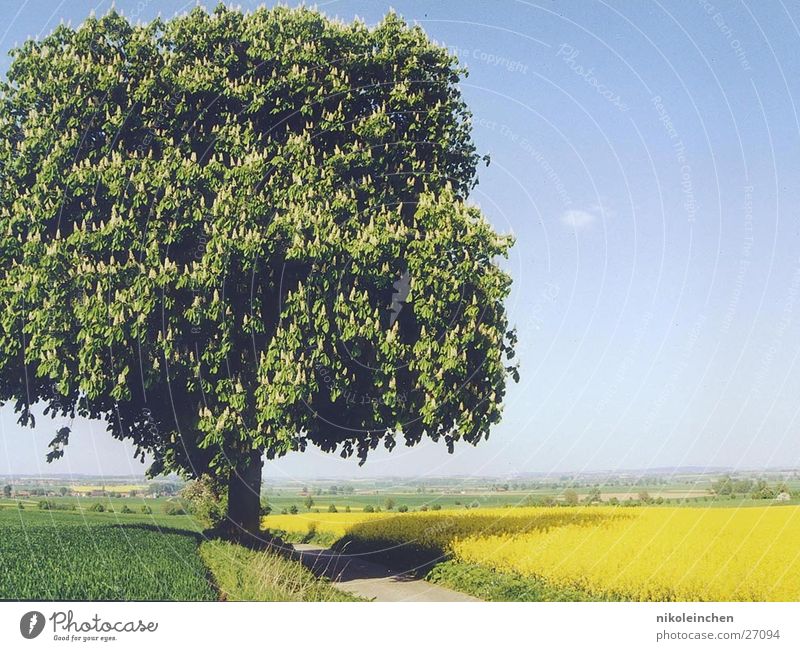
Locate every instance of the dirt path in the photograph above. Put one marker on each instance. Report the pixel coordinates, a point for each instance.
(357, 576)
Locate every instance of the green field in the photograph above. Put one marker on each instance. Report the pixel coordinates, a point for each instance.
(77, 502)
(65, 555)
(279, 500)
(89, 556)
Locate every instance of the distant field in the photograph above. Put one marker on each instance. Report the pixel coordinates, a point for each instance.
(667, 494)
(671, 496)
(357, 501)
(635, 553)
(115, 488)
(85, 502)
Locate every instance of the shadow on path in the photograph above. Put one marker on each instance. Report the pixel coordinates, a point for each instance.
(369, 580)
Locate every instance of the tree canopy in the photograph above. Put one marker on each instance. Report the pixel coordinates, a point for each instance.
(233, 233)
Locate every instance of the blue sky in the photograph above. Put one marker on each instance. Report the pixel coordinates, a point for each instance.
(647, 157)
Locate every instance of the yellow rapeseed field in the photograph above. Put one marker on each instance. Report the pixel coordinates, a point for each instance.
(644, 553)
(336, 524)
(679, 554)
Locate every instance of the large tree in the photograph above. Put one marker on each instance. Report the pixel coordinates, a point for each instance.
(230, 235)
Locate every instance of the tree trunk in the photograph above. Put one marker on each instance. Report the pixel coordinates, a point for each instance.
(244, 499)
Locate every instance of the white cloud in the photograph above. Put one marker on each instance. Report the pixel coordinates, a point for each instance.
(578, 219)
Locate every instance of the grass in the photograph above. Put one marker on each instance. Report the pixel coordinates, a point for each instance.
(243, 574)
(491, 585)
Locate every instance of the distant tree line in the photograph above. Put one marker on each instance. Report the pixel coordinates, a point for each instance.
(754, 488)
